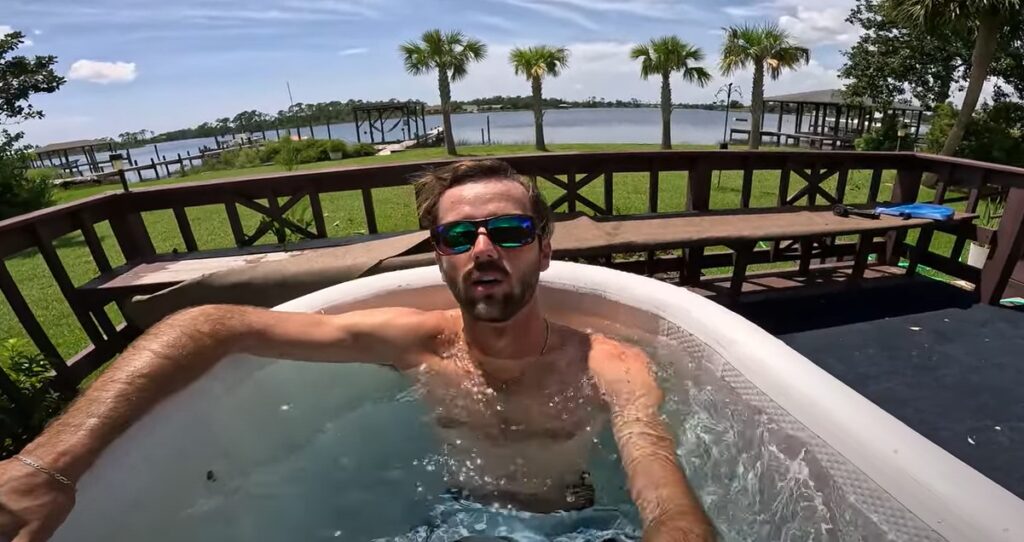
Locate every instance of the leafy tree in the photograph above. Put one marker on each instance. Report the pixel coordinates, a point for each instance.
(765, 47)
(986, 18)
(892, 59)
(21, 77)
(536, 63)
(247, 121)
(449, 54)
(664, 56)
(995, 133)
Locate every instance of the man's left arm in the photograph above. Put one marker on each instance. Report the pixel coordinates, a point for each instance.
(669, 508)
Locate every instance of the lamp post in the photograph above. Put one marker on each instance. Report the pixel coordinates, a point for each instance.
(117, 162)
(728, 90)
(900, 134)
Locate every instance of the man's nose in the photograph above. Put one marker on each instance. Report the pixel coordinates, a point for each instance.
(483, 248)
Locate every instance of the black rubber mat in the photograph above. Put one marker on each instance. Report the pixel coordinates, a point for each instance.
(950, 369)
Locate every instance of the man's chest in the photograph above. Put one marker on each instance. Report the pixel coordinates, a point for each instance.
(543, 405)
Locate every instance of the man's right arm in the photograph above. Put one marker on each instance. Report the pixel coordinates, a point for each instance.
(174, 353)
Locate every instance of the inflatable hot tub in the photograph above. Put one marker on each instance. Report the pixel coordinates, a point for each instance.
(777, 448)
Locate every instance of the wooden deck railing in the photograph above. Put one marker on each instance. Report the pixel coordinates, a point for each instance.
(796, 178)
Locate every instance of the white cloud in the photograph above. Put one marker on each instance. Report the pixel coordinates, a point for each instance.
(556, 12)
(353, 51)
(103, 73)
(813, 27)
(37, 32)
(356, 8)
(497, 22)
(756, 10)
(575, 11)
(812, 23)
(29, 43)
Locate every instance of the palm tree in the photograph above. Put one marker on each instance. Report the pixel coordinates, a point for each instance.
(449, 53)
(536, 63)
(988, 18)
(664, 56)
(763, 46)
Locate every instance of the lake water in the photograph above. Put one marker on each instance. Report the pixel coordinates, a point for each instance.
(641, 125)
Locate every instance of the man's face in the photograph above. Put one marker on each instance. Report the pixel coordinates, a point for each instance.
(490, 283)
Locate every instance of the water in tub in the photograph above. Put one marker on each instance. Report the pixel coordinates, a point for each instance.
(364, 462)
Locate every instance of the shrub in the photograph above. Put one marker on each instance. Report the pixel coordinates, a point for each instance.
(30, 371)
(49, 174)
(248, 157)
(995, 134)
(21, 192)
(336, 145)
(362, 149)
(883, 138)
(310, 152)
(287, 154)
(942, 122)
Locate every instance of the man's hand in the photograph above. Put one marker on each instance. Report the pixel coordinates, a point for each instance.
(32, 505)
(669, 509)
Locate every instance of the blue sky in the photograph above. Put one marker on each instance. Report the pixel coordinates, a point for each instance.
(166, 64)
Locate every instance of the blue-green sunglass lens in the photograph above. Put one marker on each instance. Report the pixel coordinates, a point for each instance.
(510, 232)
(460, 237)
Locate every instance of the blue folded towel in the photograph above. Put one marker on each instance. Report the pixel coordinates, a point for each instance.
(918, 210)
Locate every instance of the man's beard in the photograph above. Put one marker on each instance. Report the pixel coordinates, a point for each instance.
(493, 308)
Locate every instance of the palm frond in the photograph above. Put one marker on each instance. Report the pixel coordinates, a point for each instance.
(416, 58)
(643, 53)
(666, 54)
(539, 61)
(764, 44)
(450, 51)
(697, 75)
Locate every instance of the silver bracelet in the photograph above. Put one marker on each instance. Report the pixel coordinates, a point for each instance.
(52, 474)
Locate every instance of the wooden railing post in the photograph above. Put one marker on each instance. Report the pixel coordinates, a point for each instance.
(1007, 251)
(132, 236)
(904, 190)
(698, 188)
(698, 198)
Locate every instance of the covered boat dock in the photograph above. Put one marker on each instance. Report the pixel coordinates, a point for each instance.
(828, 119)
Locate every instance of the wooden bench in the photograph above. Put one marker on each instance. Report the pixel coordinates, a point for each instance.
(590, 239)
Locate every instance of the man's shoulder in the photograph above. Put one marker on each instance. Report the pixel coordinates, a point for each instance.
(408, 319)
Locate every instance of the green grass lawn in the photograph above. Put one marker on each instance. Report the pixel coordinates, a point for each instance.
(344, 216)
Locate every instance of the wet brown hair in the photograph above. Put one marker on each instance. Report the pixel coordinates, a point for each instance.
(434, 183)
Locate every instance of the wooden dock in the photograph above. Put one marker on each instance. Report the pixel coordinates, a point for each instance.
(432, 136)
(113, 176)
(814, 140)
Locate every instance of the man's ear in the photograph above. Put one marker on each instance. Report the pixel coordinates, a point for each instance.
(545, 254)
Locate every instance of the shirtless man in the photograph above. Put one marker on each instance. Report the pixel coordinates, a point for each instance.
(508, 387)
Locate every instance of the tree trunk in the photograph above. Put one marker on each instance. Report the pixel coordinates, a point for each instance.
(446, 110)
(666, 112)
(989, 26)
(538, 114)
(757, 106)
